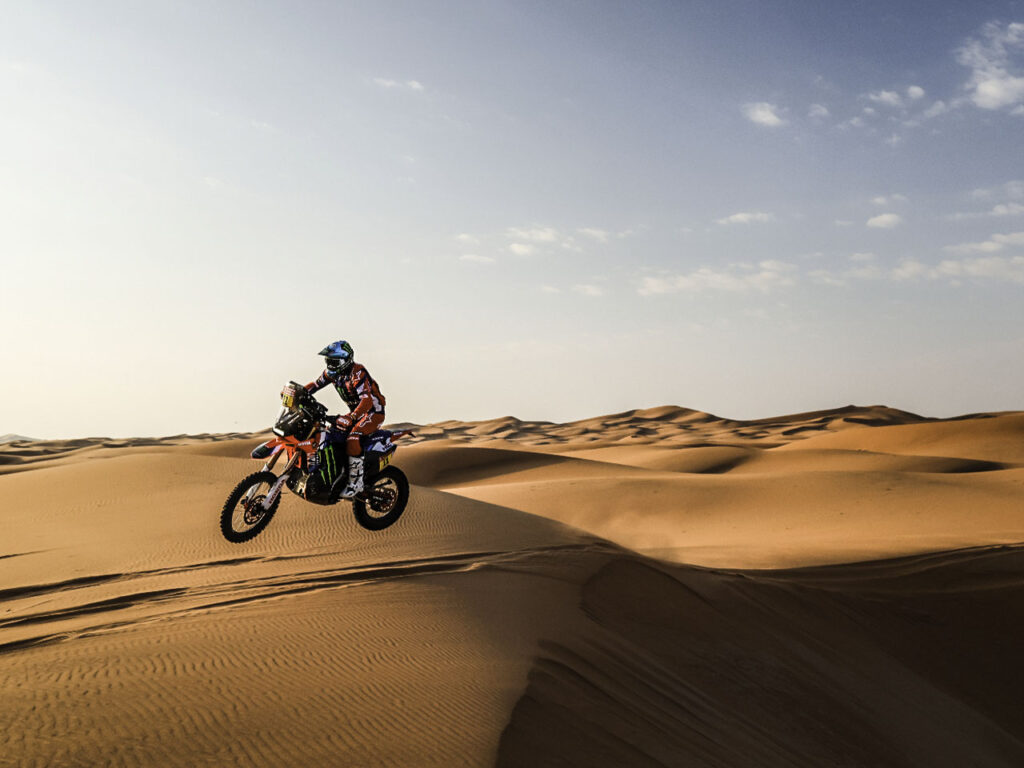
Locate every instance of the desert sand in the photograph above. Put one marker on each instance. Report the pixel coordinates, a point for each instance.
(660, 587)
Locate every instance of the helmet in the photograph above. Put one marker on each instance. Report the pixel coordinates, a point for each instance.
(338, 356)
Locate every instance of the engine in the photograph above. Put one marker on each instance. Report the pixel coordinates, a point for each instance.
(310, 487)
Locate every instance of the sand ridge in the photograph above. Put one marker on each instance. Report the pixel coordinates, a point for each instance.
(817, 487)
(654, 587)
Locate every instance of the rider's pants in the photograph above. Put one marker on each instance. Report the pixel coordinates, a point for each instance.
(367, 425)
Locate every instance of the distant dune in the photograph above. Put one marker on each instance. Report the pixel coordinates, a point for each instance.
(12, 438)
(659, 587)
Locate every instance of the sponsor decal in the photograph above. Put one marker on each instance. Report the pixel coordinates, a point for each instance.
(328, 465)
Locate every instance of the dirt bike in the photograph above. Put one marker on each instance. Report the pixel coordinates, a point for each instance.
(317, 471)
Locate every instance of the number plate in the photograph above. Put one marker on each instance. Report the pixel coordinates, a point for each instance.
(385, 460)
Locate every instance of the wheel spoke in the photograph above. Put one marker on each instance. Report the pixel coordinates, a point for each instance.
(383, 496)
(384, 500)
(246, 511)
(251, 506)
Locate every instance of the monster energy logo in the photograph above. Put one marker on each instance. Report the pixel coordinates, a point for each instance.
(328, 466)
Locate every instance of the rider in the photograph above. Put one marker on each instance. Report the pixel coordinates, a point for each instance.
(362, 395)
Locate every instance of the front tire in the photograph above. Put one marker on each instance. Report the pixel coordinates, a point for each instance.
(383, 501)
(241, 520)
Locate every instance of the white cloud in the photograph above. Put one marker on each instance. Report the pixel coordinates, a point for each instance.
(474, 258)
(766, 276)
(817, 112)
(996, 93)
(936, 109)
(908, 269)
(763, 113)
(589, 289)
(915, 92)
(746, 217)
(843, 223)
(825, 277)
(1000, 268)
(600, 235)
(534, 234)
(1007, 209)
(885, 221)
(887, 199)
(986, 246)
(521, 249)
(864, 268)
(550, 289)
(992, 267)
(866, 272)
(570, 244)
(994, 61)
(412, 85)
(998, 210)
(1014, 190)
(889, 98)
(464, 237)
(995, 243)
(770, 275)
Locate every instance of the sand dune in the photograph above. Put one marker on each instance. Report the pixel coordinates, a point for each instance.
(654, 587)
(813, 488)
(873, 665)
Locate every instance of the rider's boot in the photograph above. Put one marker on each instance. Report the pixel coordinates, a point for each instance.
(355, 477)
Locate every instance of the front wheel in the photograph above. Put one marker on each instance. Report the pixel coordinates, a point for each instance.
(243, 516)
(383, 502)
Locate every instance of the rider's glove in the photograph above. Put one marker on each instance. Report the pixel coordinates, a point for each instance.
(343, 423)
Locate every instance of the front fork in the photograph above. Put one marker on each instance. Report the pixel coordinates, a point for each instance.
(273, 459)
(275, 489)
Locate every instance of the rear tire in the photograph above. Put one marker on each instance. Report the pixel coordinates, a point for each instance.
(240, 522)
(383, 501)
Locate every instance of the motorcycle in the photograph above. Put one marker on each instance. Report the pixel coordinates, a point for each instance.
(316, 471)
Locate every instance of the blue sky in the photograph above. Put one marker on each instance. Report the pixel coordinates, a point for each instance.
(552, 210)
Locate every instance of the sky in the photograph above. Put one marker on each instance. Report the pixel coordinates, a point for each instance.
(552, 210)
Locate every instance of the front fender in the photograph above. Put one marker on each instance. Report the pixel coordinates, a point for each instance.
(269, 448)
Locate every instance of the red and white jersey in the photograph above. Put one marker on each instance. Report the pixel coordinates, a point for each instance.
(356, 387)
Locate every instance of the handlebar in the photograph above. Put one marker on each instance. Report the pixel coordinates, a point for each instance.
(309, 404)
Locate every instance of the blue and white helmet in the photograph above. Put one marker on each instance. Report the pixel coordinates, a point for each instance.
(338, 357)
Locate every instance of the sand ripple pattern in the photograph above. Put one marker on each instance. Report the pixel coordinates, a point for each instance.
(490, 624)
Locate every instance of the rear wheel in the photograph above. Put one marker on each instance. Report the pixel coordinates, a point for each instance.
(243, 516)
(383, 502)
